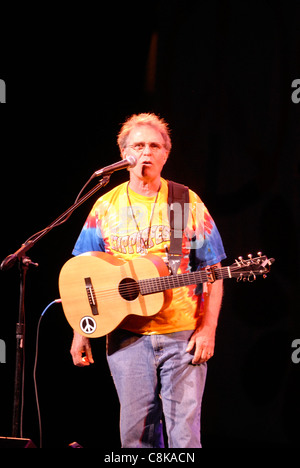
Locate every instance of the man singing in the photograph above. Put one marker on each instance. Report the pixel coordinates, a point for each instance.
(158, 363)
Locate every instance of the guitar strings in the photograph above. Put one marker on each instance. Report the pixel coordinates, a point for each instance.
(134, 287)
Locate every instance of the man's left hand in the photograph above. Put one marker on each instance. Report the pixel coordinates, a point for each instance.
(202, 342)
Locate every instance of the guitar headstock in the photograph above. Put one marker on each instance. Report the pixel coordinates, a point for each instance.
(248, 269)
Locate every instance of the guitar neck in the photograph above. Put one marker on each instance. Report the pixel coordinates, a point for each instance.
(162, 283)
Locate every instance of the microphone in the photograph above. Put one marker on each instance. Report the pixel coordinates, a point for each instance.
(129, 161)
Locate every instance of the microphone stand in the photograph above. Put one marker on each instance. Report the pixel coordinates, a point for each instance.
(24, 262)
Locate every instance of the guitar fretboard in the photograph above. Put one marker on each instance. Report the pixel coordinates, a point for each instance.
(162, 283)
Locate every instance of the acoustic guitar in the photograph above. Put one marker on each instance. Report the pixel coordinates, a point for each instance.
(98, 291)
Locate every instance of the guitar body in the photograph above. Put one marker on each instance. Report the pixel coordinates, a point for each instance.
(98, 291)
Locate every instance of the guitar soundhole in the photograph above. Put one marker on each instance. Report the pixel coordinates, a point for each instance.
(129, 289)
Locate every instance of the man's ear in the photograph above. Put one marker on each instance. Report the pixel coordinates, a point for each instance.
(123, 153)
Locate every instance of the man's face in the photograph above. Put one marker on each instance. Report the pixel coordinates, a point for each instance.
(148, 146)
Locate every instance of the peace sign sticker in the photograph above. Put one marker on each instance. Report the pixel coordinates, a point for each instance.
(88, 325)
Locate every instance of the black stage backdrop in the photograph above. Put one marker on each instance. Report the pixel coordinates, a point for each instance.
(222, 74)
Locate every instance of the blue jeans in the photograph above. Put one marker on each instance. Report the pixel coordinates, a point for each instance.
(153, 375)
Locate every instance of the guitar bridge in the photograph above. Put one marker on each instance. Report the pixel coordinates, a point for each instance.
(91, 295)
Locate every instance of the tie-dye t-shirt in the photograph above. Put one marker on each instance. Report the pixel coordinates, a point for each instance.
(112, 228)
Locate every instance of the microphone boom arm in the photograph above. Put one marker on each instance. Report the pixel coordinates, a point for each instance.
(10, 260)
(129, 161)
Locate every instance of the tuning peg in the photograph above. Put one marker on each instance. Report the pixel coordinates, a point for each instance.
(240, 258)
(251, 277)
(259, 254)
(250, 256)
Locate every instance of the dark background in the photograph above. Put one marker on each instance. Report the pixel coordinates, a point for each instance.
(220, 73)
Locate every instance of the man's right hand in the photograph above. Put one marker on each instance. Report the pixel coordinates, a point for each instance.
(81, 351)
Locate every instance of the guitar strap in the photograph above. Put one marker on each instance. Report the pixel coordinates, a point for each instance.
(178, 195)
